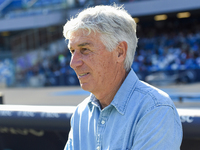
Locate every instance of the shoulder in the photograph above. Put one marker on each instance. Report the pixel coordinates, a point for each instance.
(152, 95)
(82, 107)
(147, 98)
(156, 106)
(152, 101)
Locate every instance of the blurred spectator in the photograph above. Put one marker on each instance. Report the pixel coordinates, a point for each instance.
(6, 72)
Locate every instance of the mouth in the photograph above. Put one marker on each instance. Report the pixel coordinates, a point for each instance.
(83, 74)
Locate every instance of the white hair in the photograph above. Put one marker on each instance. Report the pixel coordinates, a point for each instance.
(112, 22)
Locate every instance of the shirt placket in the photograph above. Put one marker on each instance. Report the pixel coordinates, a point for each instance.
(103, 118)
(100, 129)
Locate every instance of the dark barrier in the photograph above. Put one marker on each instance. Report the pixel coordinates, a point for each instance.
(34, 127)
(190, 119)
(47, 127)
(1, 98)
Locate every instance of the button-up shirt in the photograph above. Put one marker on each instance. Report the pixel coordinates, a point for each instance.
(140, 117)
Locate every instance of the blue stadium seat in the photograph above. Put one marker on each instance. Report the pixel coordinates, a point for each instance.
(42, 3)
(21, 4)
(13, 5)
(1, 1)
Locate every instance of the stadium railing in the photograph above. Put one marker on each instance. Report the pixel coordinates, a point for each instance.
(51, 124)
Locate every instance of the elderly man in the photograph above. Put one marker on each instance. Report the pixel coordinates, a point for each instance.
(122, 112)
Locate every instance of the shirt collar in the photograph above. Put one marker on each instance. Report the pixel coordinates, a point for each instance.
(93, 101)
(122, 96)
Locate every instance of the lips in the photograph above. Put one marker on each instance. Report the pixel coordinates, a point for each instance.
(82, 74)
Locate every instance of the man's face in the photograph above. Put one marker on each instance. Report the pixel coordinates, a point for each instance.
(93, 64)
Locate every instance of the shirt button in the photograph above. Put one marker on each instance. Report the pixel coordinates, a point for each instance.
(98, 148)
(103, 122)
(98, 138)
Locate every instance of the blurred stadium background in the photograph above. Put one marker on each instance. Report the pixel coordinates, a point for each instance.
(34, 64)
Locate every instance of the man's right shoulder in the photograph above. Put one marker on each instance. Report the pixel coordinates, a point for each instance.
(83, 106)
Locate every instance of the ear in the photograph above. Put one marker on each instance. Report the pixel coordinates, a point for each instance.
(121, 51)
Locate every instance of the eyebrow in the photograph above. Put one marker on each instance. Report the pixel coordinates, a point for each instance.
(82, 44)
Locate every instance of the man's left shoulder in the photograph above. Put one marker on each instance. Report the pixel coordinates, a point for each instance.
(158, 96)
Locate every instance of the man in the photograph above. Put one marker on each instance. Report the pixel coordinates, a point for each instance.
(122, 112)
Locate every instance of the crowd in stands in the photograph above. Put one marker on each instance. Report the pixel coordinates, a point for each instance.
(47, 66)
(159, 49)
(171, 49)
(174, 48)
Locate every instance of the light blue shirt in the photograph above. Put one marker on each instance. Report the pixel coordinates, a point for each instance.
(140, 117)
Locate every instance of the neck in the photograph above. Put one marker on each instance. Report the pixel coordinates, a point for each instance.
(107, 94)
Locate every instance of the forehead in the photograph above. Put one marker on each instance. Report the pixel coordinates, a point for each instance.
(80, 36)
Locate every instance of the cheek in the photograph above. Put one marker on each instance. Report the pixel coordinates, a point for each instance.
(106, 67)
(99, 68)
(101, 65)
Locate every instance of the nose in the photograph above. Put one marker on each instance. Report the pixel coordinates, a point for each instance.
(76, 60)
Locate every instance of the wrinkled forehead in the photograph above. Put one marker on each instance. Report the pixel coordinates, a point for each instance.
(75, 35)
(83, 36)
(81, 32)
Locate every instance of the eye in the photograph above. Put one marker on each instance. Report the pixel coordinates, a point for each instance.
(72, 51)
(84, 50)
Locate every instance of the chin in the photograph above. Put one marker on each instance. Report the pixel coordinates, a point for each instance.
(85, 87)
